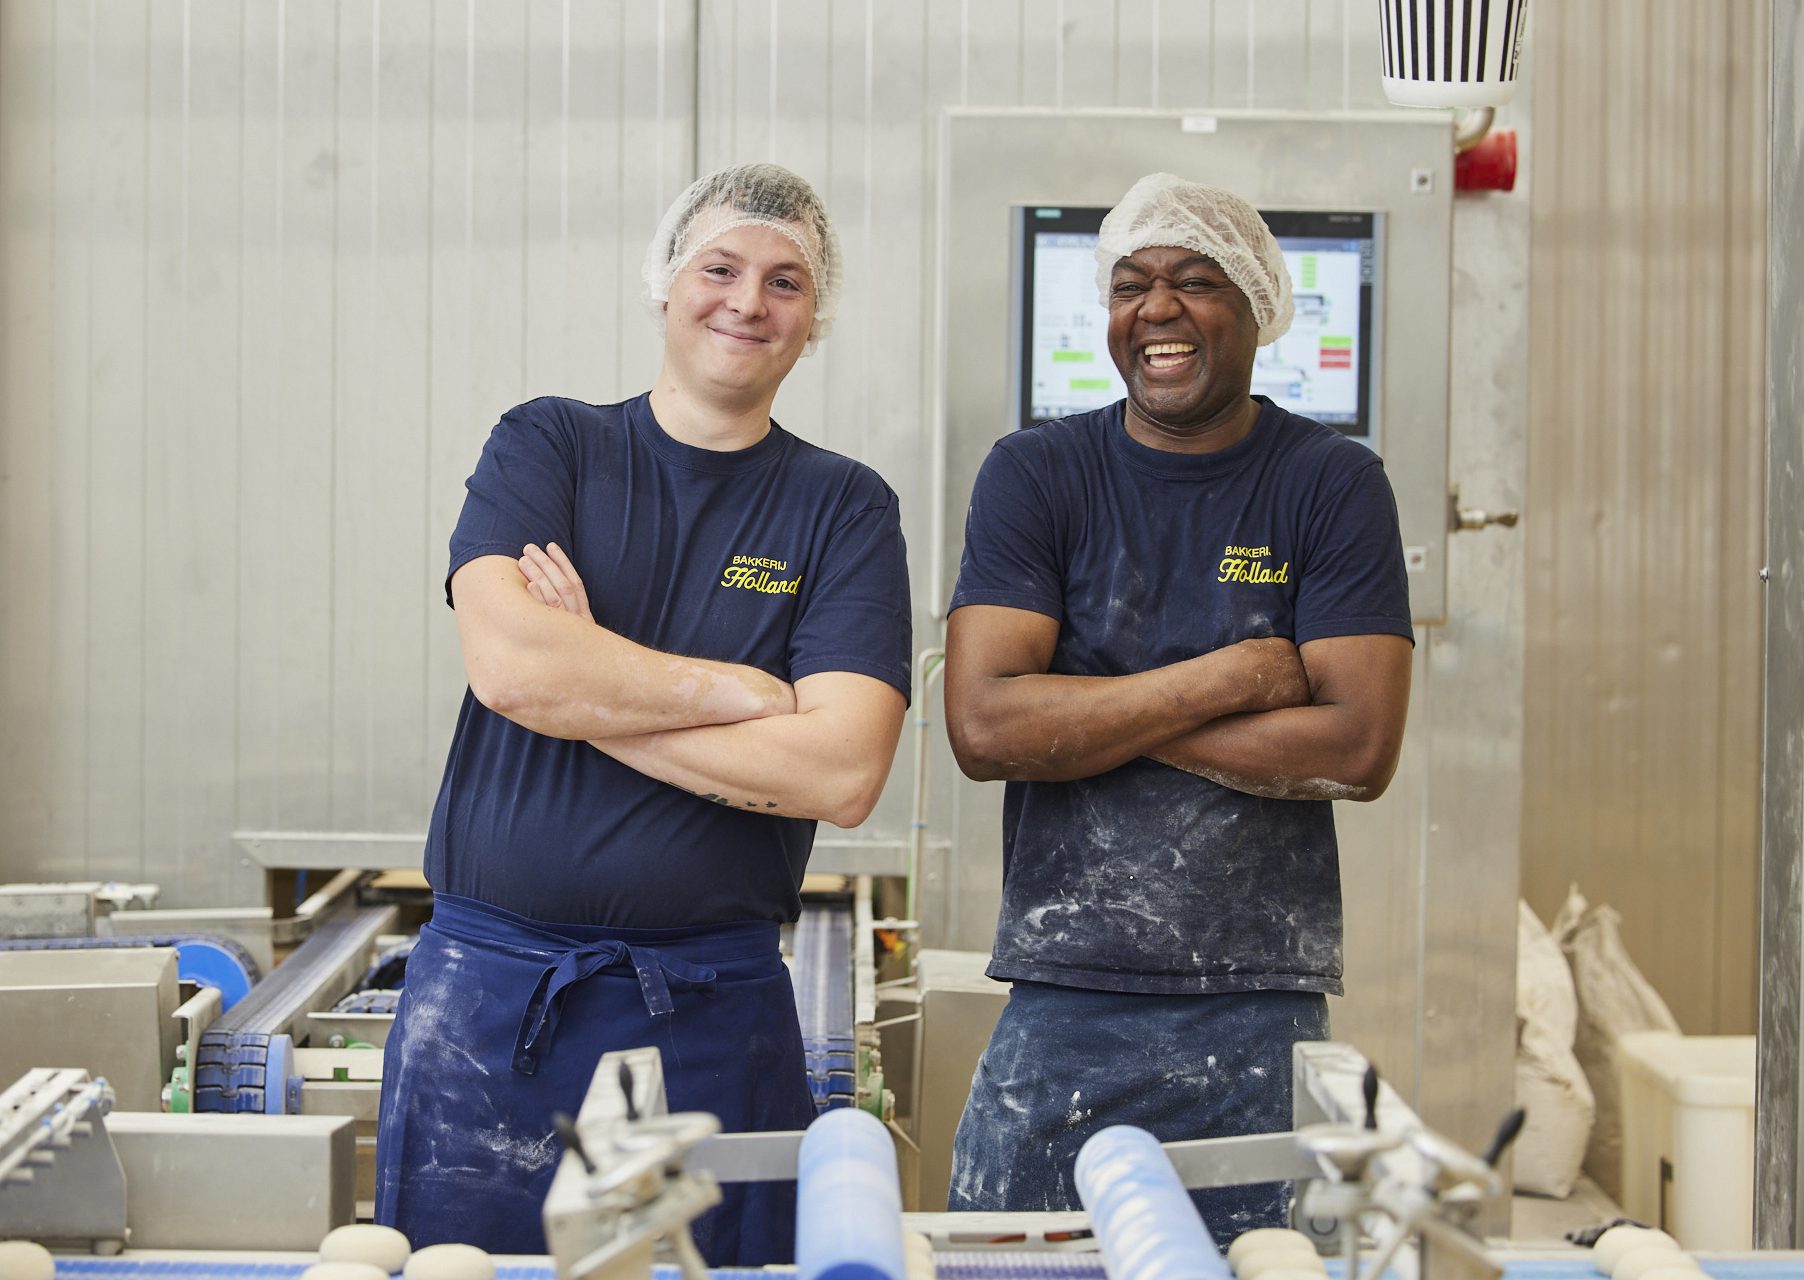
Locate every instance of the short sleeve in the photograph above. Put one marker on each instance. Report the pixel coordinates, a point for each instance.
(856, 614)
(1353, 581)
(1011, 552)
(523, 489)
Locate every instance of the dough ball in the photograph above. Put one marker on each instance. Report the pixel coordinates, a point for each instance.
(1644, 1258)
(1260, 1239)
(917, 1256)
(382, 1247)
(24, 1260)
(1615, 1242)
(343, 1271)
(1268, 1262)
(450, 1262)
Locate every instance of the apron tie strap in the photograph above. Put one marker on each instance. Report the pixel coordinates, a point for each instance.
(654, 969)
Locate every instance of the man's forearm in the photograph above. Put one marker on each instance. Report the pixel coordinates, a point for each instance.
(566, 677)
(1295, 753)
(803, 765)
(1058, 728)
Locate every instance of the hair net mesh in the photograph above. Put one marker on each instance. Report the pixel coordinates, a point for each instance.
(1166, 211)
(747, 195)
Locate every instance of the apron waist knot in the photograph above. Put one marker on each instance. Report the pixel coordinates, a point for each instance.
(658, 973)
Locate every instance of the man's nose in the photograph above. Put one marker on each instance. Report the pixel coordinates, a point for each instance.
(748, 295)
(1160, 303)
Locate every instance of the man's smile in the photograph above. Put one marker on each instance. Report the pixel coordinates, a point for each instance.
(737, 338)
(1167, 355)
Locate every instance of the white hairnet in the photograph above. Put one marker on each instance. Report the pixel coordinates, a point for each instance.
(748, 195)
(1167, 212)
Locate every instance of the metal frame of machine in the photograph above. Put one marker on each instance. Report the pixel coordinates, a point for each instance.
(633, 1177)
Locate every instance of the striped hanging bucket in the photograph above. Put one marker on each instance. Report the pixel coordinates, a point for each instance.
(1451, 53)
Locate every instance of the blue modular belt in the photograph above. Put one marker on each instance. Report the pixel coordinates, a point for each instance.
(823, 981)
(949, 1266)
(205, 959)
(244, 1061)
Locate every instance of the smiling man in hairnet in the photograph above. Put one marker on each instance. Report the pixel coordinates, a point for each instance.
(1181, 629)
(686, 633)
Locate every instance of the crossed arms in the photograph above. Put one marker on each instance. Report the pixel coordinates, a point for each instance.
(1323, 722)
(729, 733)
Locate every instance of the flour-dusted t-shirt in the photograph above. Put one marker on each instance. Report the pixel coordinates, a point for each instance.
(782, 556)
(1148, 878)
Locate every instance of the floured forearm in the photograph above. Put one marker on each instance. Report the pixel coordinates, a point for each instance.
(1296, 753)
(1344, 745)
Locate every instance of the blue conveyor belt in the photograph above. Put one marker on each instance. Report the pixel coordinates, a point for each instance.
(823, 982)
(951, 1266)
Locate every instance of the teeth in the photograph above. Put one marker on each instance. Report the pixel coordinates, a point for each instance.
(1169, 349)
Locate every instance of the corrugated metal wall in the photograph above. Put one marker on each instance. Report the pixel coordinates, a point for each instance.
(1779, 1107)
(1641, 740)
(270, 273)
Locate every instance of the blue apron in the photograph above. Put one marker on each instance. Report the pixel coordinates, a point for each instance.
(502, 1022)
(1065, 1062)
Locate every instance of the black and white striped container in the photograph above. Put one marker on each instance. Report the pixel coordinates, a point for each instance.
(1451, 53)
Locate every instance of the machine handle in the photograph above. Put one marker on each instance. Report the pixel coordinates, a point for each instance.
(626, 1090)
(1506, 1134)
(565, 1124)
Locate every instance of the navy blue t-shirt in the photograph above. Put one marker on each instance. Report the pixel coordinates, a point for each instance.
(781, 556)
(1148, 878)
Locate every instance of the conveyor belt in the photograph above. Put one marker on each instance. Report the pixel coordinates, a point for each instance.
(243, 1060)
(823, 980)
(950, 1266)
(206, 959)
(340, 943)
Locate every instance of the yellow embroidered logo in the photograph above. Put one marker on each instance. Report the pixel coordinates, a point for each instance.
(1248, 564)
(754, 573)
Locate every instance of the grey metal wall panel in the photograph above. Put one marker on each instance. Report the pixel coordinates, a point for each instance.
(1641, 721)
(189, 435)
(1779, 1136)
(29, 677)
(272, 272)
(69, 386)
(1470, 729)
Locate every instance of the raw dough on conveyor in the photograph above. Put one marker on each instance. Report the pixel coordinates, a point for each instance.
(25, 1260)
(366, 1242)
(450, 1262)
(1269, 1262)
(1615, 1242)
(917, 1256)
(1645, 1259)
(1260, 1239)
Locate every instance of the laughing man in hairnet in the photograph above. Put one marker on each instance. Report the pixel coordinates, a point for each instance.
(1181, 628)
(686, 633)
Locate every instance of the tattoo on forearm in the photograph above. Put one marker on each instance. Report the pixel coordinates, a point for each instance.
(734, 804)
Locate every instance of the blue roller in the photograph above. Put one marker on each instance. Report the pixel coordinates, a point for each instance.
(1144, 1220)
(205, 959)
(848, 1200)
(212, 962)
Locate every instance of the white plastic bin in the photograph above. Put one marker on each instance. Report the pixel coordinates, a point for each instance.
(1688, 1136)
